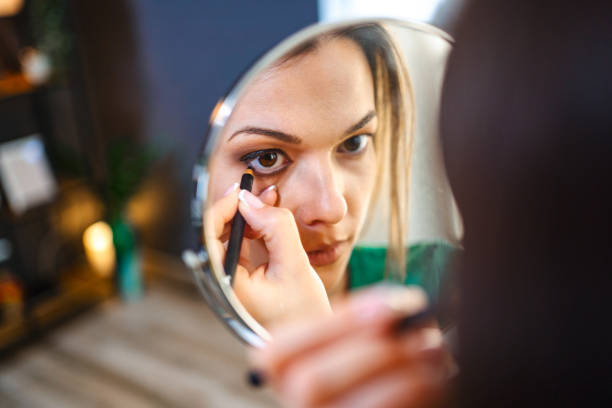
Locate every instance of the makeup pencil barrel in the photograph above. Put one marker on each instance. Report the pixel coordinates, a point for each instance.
(415, 320)
(237, 230)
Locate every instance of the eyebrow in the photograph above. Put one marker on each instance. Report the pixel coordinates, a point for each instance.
(368, 117)
(285, 137)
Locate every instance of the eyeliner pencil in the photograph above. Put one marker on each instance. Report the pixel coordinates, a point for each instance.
(415, 320)
(237, 231)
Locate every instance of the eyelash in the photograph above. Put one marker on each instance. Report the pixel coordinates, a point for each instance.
(249, 158)
(362, 148)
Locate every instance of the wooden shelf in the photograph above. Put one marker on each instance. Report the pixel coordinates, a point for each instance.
(13, 85)
(12, 331)
(79, 289)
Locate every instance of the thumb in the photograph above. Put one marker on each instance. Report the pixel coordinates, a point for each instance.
(268, 196)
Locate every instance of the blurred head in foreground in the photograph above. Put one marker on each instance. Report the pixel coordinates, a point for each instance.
(527, 132)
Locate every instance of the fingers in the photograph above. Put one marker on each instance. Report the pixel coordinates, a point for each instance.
(268, 196)
(315, 379)
(405, 386)
(276, 226)
(222, 212)
(220, 215)
(373, 310)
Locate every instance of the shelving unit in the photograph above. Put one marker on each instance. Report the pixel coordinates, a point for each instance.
(47, 263)
(79, 289)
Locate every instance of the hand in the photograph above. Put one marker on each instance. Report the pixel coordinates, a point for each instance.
(284, 288)
(354, 359)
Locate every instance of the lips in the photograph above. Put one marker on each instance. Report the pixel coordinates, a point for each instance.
(327, 254)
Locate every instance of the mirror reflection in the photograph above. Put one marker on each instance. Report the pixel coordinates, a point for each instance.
(327, 129)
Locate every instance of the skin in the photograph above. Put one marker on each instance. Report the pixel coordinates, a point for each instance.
(323, 104)
(352, 358)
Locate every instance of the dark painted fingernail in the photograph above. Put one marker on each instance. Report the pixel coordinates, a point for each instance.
(256, 378)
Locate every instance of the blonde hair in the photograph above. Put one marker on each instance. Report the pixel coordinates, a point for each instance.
(394, 101)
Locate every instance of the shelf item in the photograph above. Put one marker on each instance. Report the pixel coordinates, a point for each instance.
(25, 173)
(14, 84)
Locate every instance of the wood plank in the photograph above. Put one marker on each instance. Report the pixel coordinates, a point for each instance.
(167, 350)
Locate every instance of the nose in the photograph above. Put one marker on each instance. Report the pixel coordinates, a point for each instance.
(322, 200)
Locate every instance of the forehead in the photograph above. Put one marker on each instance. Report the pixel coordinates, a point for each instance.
(320, 93)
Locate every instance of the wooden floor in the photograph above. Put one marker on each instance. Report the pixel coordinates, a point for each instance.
(166, 350)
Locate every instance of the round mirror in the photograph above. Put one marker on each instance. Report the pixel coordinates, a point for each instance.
(335, 134)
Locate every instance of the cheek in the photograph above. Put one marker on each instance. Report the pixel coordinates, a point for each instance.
(369, 170)
(292, 188)
(359, 186)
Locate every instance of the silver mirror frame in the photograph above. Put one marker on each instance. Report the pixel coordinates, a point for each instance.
(208, 273)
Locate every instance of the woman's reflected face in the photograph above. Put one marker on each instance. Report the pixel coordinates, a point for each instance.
(307, 126)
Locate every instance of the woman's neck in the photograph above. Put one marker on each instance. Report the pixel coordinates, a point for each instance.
(341, 288)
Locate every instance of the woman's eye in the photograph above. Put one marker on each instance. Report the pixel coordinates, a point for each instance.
(266, 162)
(354, 145)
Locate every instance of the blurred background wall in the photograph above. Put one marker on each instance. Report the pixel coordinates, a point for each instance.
(159, 68)
(191, 52)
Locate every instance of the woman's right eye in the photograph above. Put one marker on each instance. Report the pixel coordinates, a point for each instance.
(266, 162)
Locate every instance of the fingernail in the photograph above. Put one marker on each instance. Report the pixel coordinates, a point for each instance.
(249, 199)
(406, 299)
(431, 340)
(256, 378)
(230, 190)
(269, 188)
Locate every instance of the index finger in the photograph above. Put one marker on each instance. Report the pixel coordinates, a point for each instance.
(221, 213)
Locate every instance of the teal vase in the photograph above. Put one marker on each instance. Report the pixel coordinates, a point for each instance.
(128, 276)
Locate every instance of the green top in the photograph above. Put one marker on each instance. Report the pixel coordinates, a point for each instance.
(426, 265)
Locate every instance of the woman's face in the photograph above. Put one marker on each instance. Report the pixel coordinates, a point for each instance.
(307, 126)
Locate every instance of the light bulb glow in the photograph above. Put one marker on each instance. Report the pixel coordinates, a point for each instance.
(10, 7)
(99, 249)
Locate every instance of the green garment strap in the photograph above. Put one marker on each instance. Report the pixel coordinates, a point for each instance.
(425, 266)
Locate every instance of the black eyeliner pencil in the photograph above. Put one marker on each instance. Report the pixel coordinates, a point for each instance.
(237, 231)
(415, 320)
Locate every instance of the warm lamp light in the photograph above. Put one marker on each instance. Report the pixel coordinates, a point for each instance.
(10, 7)
(99, 249)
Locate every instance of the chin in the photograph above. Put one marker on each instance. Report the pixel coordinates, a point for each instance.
(332, 275)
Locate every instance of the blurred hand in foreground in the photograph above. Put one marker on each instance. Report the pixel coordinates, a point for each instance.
(354, 358)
